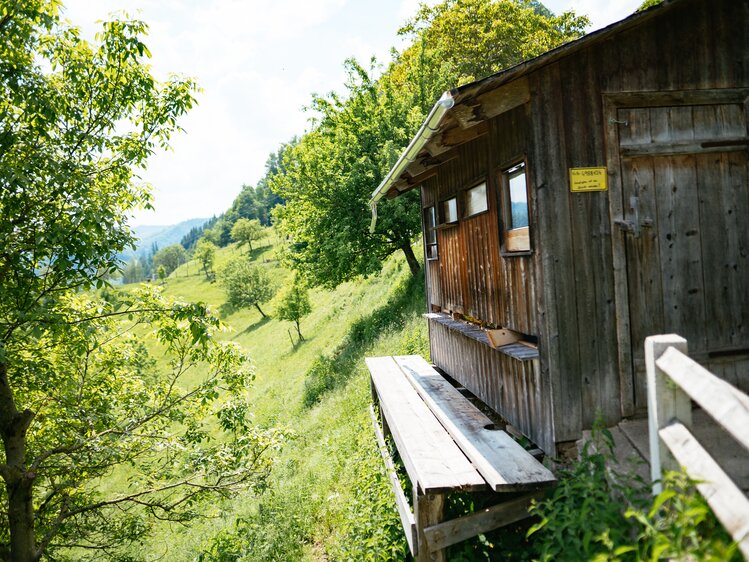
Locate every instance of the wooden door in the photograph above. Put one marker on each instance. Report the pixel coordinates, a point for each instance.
(682, 226)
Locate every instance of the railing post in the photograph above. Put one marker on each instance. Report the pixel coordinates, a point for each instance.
(666, 402)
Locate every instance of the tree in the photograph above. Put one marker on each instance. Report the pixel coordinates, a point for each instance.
(475, 38)
(245, 231)
(294, 305)
(648, 4)
(79, 394)
(219, 232)
(170, 258)
(331, 173)
(246, 285)
(161, 272)
(329, 177)
(205, 253)
(133, 271)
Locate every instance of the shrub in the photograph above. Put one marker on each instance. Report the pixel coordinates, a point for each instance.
(276, 532)
(371, 528)
(321, 378)
(600, 514)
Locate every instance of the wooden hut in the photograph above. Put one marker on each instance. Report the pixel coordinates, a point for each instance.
(585, 199)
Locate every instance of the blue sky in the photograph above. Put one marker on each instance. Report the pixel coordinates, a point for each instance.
(258, 62)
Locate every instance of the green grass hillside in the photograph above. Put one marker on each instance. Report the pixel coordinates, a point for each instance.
(327, 498)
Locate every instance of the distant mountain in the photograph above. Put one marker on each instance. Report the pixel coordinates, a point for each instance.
(161, 235)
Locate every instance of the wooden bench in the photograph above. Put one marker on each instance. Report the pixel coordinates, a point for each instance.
(447, 445)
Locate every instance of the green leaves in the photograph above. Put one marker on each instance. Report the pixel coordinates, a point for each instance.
(329, 176)
(77, 121)
(602, 514)
(246, 285)
(66, 167)
(293, 304)
(245, 231)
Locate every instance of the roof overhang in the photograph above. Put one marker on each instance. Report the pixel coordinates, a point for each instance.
(461, 114)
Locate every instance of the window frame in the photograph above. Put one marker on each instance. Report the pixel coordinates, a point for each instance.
(441, 212)
(475, 185)
(515, 241)
(431, 212)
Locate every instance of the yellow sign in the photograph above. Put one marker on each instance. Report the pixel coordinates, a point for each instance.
(588, 179)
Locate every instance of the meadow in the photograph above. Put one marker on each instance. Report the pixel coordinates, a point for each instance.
(326, 494)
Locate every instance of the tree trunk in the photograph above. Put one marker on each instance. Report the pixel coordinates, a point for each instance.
(298, 331)
(413, 263)
(18, 481)
(260, 311)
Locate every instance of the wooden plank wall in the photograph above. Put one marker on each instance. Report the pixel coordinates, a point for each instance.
(564, 292)
(473, 278)
(697, 44)
(515, 389)
(470, 276)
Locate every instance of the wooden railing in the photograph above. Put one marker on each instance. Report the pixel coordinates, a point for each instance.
(674, 380)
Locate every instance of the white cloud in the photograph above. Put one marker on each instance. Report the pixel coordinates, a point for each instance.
(258, 63)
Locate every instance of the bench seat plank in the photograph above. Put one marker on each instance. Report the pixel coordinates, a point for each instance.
(431, 457)
(504, 464)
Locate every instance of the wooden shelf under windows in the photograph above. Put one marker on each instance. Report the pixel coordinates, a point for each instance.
(518, 351)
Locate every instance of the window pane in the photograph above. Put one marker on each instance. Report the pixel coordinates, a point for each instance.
(430, 222)
(450, 210)
(518, 197)
(476, 200)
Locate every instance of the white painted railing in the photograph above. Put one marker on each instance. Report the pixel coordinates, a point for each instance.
(673, 381)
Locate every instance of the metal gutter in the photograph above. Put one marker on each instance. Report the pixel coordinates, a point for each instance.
(423, 136)
(458, 95)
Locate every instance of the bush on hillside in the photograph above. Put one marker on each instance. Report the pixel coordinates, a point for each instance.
(602, 514)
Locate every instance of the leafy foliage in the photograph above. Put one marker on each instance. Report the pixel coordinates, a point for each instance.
(602, 514)
(246, 285)
(476, 38)
(205, 253)
(253, 203)
(678, 525)
(648, 3)
(112, 407)
(586, 505)
(331, 173)
(294, 304)
(80, 395)
(329, 177)
(170, 258)
(245, 231)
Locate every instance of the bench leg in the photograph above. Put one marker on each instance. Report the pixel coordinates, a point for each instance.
(376, 402)
(428, 511)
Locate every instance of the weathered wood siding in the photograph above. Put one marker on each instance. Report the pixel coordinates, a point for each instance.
(507, 385)
(470, 276)
(473, 278)
(694, 45)
(568, 291)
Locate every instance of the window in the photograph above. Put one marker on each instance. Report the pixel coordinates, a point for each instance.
(475, 200)
(516, 211)
(430, 233)
(450, 211)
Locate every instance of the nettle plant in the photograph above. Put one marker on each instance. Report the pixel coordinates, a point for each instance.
(602, 514)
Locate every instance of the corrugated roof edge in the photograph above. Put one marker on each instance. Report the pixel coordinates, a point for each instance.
(457, 95)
